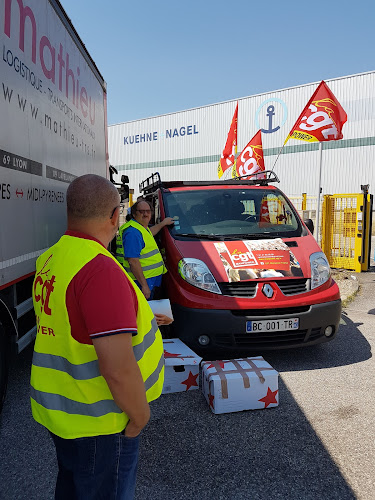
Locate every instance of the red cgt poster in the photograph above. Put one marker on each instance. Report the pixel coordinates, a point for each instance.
(244, 260)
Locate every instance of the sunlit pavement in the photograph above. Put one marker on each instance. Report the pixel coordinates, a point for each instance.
(318, 444)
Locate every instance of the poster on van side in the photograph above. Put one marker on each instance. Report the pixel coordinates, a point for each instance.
(252, 259)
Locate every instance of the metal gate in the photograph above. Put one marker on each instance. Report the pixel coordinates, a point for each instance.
(346, 230)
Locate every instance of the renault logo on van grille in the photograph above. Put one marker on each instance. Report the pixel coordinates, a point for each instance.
(268, 291)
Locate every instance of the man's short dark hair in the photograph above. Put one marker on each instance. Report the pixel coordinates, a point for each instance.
(91, 196)
(134, 207)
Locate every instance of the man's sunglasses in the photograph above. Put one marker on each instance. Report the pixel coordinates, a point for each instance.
(144, 212)
(114, 210)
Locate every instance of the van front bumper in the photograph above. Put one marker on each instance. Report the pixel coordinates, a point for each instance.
(226, 329)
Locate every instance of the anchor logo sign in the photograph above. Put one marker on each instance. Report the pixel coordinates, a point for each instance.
(271, 113)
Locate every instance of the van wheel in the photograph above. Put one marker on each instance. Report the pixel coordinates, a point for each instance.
(4, 365)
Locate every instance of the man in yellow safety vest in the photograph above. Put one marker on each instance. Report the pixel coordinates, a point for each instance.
(98, 356)
(137, 251)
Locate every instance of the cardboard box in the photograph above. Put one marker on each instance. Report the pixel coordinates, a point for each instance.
(181, 367)
(239, 384)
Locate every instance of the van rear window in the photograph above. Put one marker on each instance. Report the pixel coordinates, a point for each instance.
(239, 213)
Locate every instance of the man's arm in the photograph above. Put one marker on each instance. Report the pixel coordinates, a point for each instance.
(165, 222)
(136, 269)
(118, 366)
(102, 307)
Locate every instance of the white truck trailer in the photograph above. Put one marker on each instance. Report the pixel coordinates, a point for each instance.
(52, 129)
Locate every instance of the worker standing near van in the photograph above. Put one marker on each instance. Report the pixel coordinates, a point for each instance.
(137, 251)
(92, 374)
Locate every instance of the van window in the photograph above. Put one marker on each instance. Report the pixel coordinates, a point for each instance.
(242, 213)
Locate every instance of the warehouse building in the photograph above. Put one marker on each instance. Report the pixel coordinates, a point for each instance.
(187, 145)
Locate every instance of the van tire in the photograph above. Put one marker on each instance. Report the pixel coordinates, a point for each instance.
(4, 365)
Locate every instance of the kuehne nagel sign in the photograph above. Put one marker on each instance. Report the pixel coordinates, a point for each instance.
(170, 133)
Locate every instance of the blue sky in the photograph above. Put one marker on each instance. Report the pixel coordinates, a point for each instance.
(164, 56)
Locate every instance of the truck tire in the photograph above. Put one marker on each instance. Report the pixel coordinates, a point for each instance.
(4, 365)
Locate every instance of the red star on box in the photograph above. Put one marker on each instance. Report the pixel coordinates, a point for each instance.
(270, 397)
(191, 381)
(211, 398)
(221, 364)
(170, 354)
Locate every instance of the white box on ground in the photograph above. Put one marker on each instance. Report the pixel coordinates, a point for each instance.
(239, 384)
(181, 367)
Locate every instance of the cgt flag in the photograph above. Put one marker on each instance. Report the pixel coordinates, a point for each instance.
(251, 160)
(228, 158)
(321, 120)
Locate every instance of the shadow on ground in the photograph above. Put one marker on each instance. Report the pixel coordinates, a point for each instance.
(186, 451)
(348, 347)
(27, 458)
(189, 453)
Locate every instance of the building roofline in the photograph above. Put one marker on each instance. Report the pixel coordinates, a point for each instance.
(242, 98)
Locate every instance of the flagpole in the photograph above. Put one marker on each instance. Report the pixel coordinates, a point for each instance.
(282, 147)
(319, 190)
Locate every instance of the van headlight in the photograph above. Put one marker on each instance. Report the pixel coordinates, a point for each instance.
(195, 272)
(320, 270)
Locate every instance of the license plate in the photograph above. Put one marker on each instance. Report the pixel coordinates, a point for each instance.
(272, 325)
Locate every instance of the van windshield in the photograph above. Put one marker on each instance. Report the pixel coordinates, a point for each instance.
(231, 213)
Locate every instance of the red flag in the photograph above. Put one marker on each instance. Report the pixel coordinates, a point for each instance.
(321, 120)
(251, 160)
(228, 158)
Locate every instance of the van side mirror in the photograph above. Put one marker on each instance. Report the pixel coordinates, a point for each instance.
(310, 225)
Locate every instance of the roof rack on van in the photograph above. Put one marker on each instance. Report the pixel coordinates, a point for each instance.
(262, 177)
(154, 182)
(150, 184)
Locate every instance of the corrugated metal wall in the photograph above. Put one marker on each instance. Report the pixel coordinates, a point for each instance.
(187, 145)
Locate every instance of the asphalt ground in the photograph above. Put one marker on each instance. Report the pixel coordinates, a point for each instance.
(319, 443)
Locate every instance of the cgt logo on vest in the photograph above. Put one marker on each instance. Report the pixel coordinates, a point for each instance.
(43, 287)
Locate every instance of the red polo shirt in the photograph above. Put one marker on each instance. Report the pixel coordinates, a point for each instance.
(100, 299)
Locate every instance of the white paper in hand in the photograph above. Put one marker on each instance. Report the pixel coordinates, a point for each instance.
(162, 306)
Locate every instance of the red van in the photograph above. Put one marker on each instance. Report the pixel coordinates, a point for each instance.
(244, 271)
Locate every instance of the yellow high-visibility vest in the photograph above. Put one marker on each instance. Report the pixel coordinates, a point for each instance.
(150, 258)
(69, 396)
